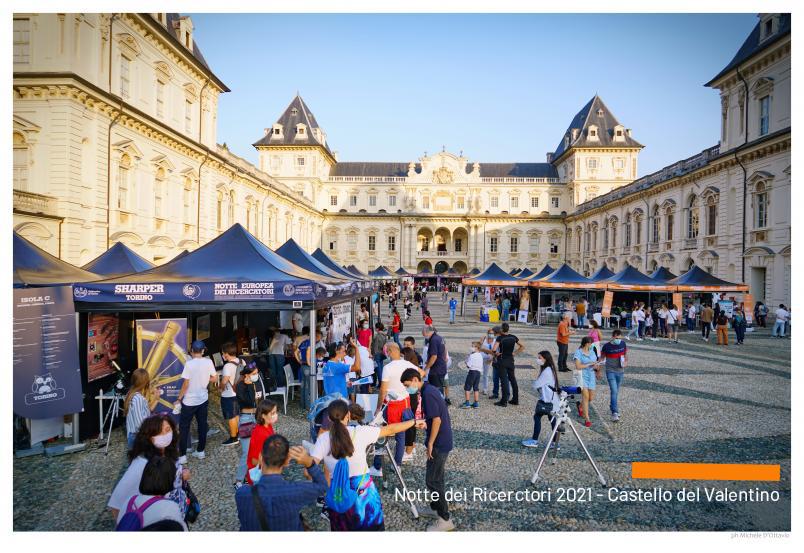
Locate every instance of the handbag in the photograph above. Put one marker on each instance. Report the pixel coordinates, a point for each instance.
(258, 507)
(244, 430)
(543, 408)
(193, 505)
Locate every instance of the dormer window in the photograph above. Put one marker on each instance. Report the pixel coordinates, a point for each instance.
(301, 131)
(593, 132)
(277, 130)
(600, 113)
(769, 26)
(294, 111)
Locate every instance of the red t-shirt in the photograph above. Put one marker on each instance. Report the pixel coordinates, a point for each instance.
(428, 321)
(258, 437)
(364, 337)
(395, 324)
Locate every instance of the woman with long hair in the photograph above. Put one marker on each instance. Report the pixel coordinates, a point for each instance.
(546, 385)
(266, 417)
(158, 436)
(586, 360)
(343, 449)
(140, 401)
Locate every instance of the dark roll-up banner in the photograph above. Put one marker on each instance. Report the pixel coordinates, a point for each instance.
(47, 373)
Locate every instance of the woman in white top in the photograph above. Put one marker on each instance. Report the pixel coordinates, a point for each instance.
(349, 443)
(140, 401)
(546, 385)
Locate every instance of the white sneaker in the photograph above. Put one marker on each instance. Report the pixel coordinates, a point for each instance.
(407, 457)
(199, 454)
(427, 511)
(441, 525)
(182, 460)
(615, 417)
(376, 473)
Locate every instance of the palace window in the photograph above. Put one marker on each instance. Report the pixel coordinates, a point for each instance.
(534, 201)
(461, 202)
(21, 157)
(278, 131)
(188, 116)
(761, 207)
(425, 202)
(628, 230)
(494, 201)
(188, 200)
(591, 163)
(332, 245)
(392, 200)
(638, 230)
(669, 224)
(514, 201)
(159, 193)
(514, 244)
(619, 163)
(605, 234)
(764, 115)
(554, 201)
(692, 218)
(22, 40)
(248, 216)
(392, 243)
(711, 216)
(125, 77)
(231, 208)
(372, 242)
(534, 243)
(553, 246)
(656, 221)
(219, 211)
(300, 162)
(160, 98)
(333, 200)
(353, 200)
(614, 234)
(493, 244)
(123, 175)
(372, 200)
(459, 244)
(352, 240)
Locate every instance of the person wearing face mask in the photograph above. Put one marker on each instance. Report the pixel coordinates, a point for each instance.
(156, 437)
(364, 334)
(615, 353)
(250, 392)
(586, 361)
(546, 385)
(474, 366)
(274, 503)
(266, 417)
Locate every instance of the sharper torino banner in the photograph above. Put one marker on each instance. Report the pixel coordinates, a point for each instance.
(162, 351)
(47, 373)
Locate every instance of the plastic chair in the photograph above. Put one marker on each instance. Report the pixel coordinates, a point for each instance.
(290, 382)
(281, 391)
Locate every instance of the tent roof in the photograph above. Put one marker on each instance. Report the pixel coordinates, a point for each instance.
(33, 266)
(356, 271)
(382, 272)
(402, 272)
(698, 280)
(525, 273)
(601, 274)
(294, 253)
(118, 260)
(662, 275)
(631, 278)
(474, 271)
(182, 254)
(494, 275)
(564, 277)
(513, 272)
(325, 260)
(546, 270)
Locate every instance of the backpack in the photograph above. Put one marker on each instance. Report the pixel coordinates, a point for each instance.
(340, 495)
(132, 520)
(401, 326)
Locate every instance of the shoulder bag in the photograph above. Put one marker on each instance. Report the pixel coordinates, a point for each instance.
(260, 510)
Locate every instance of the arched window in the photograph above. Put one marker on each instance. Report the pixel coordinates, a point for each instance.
(21, 161)
(711, 215)
(248, 216)
(692, 217)
(219, 211)
(760, 206)
(123, 176)
(231, 208)
(578, 232)
(669, 216)
(188, 200)
(594, 237)
(159, 193)
(656, 221)
(627, 230)
(638, 229)
(614, 233)
(605, 234)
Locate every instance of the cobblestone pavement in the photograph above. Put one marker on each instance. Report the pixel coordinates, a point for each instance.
(692, 401)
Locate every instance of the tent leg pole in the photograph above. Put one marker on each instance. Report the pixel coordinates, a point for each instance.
(312, 379)
(538, 307)
(353, 318)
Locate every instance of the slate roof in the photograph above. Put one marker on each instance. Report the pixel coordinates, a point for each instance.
(172, 21)
(289, 121)
(605, 123)
(752, 46)
(400, 169)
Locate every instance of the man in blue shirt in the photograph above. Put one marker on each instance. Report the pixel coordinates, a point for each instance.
(335, 371)
(453, 305)
(281, 500)
(438, 439)
(436, 364)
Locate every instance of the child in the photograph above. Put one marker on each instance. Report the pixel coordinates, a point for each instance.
(428, 320)
(474, 363)
(594, 334)
(320, 360)
(267, 415)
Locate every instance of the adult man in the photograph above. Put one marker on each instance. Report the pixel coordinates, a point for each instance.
(193, 399)
(276, 355)
(453, 305)
(615, 352)
(639, 317)
(474, 294)
(363, 315)
(782, 315)
(580, 309)
(227, 387)
(506, 347)
(691, 318)
(436, 365)
(391, 387)
(438, 439)
(562, 341)
(707, 316)
(281, 500)
(335, 371)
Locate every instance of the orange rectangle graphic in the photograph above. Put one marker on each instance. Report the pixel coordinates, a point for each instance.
(705, 471)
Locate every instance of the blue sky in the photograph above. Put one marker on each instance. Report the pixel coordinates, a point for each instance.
(499, 87)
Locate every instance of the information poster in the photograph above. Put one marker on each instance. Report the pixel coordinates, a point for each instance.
(748, 308)
(161, 352)
(522, 316)
(47, 372)
(102, 336)
(202, 327)
(341, 321)
(728, 307)
(608, 297)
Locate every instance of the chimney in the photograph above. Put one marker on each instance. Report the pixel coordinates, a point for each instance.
(574, 134)
(267, 132)
(628, 132)
(549, 157)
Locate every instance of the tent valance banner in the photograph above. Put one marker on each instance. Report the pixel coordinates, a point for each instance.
(162, 351)
(47, 371)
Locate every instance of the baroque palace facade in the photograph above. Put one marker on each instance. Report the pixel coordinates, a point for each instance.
(115, 139)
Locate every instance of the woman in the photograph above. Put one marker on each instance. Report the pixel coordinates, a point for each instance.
(663, 320)
(152, 501)
(250, 391)
(364, 334)
(738, 323)
(347, 446)
(158, 436)
(140, 401)
(650, 329)
(428, 320)
(486, 345)
(396, 326)
(545, 385)
(266, 417)
(586, 361)
(672, 322)
(594, 334)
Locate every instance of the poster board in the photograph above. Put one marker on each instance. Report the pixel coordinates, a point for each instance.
(102, 344)
(748, 308)
(46, 368)
(608, 298)
(728, 307)
(341, 321)
(522, 316)
(161, 351)
(203, 326)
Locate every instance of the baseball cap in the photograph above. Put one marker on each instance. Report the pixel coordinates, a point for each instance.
(198, 345)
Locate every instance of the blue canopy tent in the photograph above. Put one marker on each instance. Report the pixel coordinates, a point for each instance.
(233, 271)
(601, 274)
(662, 275)
(402, 272)
(525, 273)
(698, 280)
(382, 273)
(117, 261)
(474, 272)
(494, 275)
(182, 254)
(360, 274)
(327, 261)
(546, 270)
(565, 277)
(34, 267)
(294, 253)
(631, 279)
(514, 272)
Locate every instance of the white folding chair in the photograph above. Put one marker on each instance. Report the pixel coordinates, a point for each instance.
(290, 381)
(281, 391)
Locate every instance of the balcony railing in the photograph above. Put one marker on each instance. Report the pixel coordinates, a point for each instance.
(653, 247)
(690, 243)
(438, 253)
(514, 180)
(34, 203)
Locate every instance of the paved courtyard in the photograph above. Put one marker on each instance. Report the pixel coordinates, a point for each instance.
(692, 401)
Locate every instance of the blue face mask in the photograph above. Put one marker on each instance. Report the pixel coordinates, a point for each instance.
(616, 341)
(412, 389)
(255, 474)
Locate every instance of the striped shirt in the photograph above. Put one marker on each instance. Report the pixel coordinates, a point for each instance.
(138, 411)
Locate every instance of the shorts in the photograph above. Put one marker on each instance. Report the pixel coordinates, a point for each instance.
(229, 407)
(589, 380)
(472, 383)
(437, 380)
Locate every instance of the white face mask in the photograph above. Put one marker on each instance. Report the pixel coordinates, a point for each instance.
(273, 418)
(161, 441)
(540, 362)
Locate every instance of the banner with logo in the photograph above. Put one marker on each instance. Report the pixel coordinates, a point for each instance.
(102, 337)
(161, 350)
(608, 298)
(300, 290)
(47, 371)
(748, 308)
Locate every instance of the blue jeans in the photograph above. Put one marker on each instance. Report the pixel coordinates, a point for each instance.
(495, 377)
(778, 329)
(378, 360)
(240, 471)
(615, 380)
(131, 436)
(200, 412)
(395, 336)
(452, 315)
